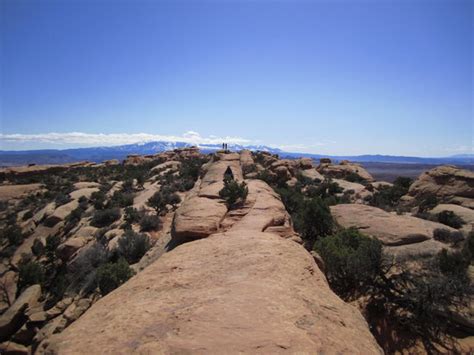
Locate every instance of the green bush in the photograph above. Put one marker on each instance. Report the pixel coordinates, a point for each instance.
(450, 219)
(233, 192)
(38, 248)
(313, 220)
(27, 215)
(149, 223)
(352, 260)
(105, 217)
(354, 177)
(161, 199)
(98, 200)
(454, 264)
(132, 215)
(29, 273)
(111, 275)
(446, 236)
(121, 199)
(132, 246)
(52, 243)
(13, 234)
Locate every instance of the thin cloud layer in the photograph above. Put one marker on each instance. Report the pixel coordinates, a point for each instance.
(101, 139)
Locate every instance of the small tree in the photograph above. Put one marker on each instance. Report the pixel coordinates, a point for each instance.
(29, 273)
(149, 223)
(233, 192)
(132, 246)
(111, 275)
(451, 219)
(103, 218)
(313, 220)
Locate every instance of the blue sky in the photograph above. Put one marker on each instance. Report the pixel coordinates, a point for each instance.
(334, 77)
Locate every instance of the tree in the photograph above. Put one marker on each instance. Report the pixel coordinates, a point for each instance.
(111, 275)
(132, 246)
(352, 260)
(233, 192)
(103, 218)
(29, 273)
(313, 220)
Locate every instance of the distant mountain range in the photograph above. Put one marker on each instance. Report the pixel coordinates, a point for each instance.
(98, 154)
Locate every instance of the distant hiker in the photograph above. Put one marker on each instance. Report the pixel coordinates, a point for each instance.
(228, 175)
(223, 146)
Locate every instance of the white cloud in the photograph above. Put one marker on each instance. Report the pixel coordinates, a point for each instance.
(101, 139)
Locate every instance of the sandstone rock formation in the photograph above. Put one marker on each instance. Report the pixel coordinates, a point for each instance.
(237, 292)
(343, 170)
(448, 183)
(245, 288)
(389, 228)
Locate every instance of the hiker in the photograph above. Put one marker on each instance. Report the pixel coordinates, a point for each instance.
(228, 175)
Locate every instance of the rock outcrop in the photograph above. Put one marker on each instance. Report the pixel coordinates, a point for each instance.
(448, 183)
(244, 287)
(236, 292)
(343, 170)
(391, 229)
(466, 214)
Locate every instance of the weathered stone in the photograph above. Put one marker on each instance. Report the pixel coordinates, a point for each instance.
(12, 320)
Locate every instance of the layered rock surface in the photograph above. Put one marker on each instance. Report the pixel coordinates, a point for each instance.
(242, 290)
(391, 229)
(448, 183)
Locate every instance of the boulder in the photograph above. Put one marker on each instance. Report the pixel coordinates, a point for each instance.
(389, 228)
(111, 162)
(343, 170)
(67, 249)
(312, 174)
(45, 212)
(86, 184)
(237, 292)
(197, 217)
(15, 317)
(305, 163)
(282, 172)
(61, 213)
(448, 183)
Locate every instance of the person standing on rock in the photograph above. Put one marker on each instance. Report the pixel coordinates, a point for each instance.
(228, 175)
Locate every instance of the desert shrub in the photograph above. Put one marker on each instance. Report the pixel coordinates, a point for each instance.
(13, 234)
(403, 181)
(452, 263)
(111, 275)
(149, 223)
(52, 243)
(37, 248)
(190, 169)
(292, 198)
(121, 199)
(325, 189)
(62, 199)
(354, 177)
(131, 215)
(352, 260)
(27, 215)
(450, 219)
(427, 202)
(81, 271)
(127, 186)
(313, 220)
(447, 236)
(233, 192)
(161, 199)
(105, 217)
(98, 199)
(132, 246)
(29, 273)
